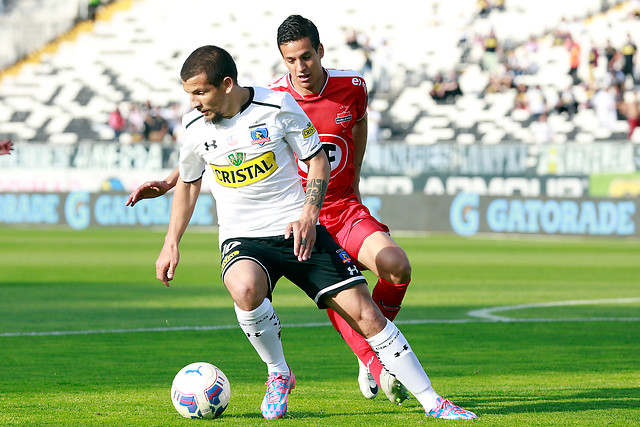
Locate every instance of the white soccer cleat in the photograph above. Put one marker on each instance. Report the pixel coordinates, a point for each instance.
(395, 391)
(367, 384)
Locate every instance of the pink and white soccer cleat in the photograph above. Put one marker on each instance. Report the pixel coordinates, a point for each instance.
(274, 404)
(448, 411)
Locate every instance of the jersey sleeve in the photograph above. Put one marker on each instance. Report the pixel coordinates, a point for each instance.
(363, 100)
(299, 132)
(191, 165)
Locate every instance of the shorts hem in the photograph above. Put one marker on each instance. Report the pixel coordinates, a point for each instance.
(337, 288)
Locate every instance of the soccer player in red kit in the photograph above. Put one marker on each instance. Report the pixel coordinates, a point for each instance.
(336, 103)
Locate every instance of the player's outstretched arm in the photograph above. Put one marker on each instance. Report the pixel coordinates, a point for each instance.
(151, 189)
(182, 206)
(304, 230)
(6, 146)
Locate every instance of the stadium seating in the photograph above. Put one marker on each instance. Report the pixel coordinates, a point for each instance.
(133, 52)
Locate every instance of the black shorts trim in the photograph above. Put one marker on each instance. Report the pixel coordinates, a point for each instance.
(328, 271)
(332, 290)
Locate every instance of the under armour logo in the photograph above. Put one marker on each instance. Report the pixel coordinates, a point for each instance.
(213, 144)
(404, 348)
(353, 270)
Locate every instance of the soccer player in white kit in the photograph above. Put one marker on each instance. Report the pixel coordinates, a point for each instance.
(268, 224)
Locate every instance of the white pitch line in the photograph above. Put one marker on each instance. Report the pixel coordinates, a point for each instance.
(487, 313)
(134, 330)
(116, 331)
(477, 316)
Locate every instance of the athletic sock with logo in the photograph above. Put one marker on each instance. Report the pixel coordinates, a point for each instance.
(396, 355)
(262, 328)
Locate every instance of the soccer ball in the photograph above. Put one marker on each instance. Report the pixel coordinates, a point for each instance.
(200, 390)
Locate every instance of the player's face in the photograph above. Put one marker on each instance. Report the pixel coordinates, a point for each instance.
(211, 101)
(303, 63)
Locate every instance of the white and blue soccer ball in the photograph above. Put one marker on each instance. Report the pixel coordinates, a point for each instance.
(200, 390)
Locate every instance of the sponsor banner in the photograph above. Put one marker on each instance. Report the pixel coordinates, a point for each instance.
(81, 209)
(614, 185)
(502, 159)
(467, 214)
(442, 169)
(470, 214)
(549, 185)
(58, 180)
(402, 159)
(585, 159)
(109, 156)
(64, 181)
(506, 160)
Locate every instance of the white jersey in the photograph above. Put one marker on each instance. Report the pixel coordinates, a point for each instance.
(255, 175)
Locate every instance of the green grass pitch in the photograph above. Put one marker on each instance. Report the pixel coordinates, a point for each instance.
(88, 336)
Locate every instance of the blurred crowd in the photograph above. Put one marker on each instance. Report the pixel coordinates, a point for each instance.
(376, 58)
(135, 122)
(613, 97)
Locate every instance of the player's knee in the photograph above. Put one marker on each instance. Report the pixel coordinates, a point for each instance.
(403, 272)
(247, 296)
(396, 267)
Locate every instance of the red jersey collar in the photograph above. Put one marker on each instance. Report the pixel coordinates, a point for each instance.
(311, 95)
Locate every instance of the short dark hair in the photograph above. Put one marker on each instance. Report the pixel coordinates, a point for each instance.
(214, 61)
(296, 27)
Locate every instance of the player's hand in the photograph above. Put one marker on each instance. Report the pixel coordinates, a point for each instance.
(304, 237)
(148, 190)
(166, 263)
(6, 146)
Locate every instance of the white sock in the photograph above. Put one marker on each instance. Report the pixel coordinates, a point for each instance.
(396, 355)
(262, 327)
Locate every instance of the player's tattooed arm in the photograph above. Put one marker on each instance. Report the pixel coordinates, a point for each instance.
(316, 191)
(304, 229)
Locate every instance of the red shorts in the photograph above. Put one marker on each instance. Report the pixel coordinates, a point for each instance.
(350, 224)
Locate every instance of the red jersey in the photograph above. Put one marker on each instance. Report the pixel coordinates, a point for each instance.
(333, 111)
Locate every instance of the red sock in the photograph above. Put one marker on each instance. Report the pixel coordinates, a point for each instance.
(389, 297)
(357, 343)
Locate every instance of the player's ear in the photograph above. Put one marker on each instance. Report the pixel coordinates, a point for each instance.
(228, 84)
(320, 50)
